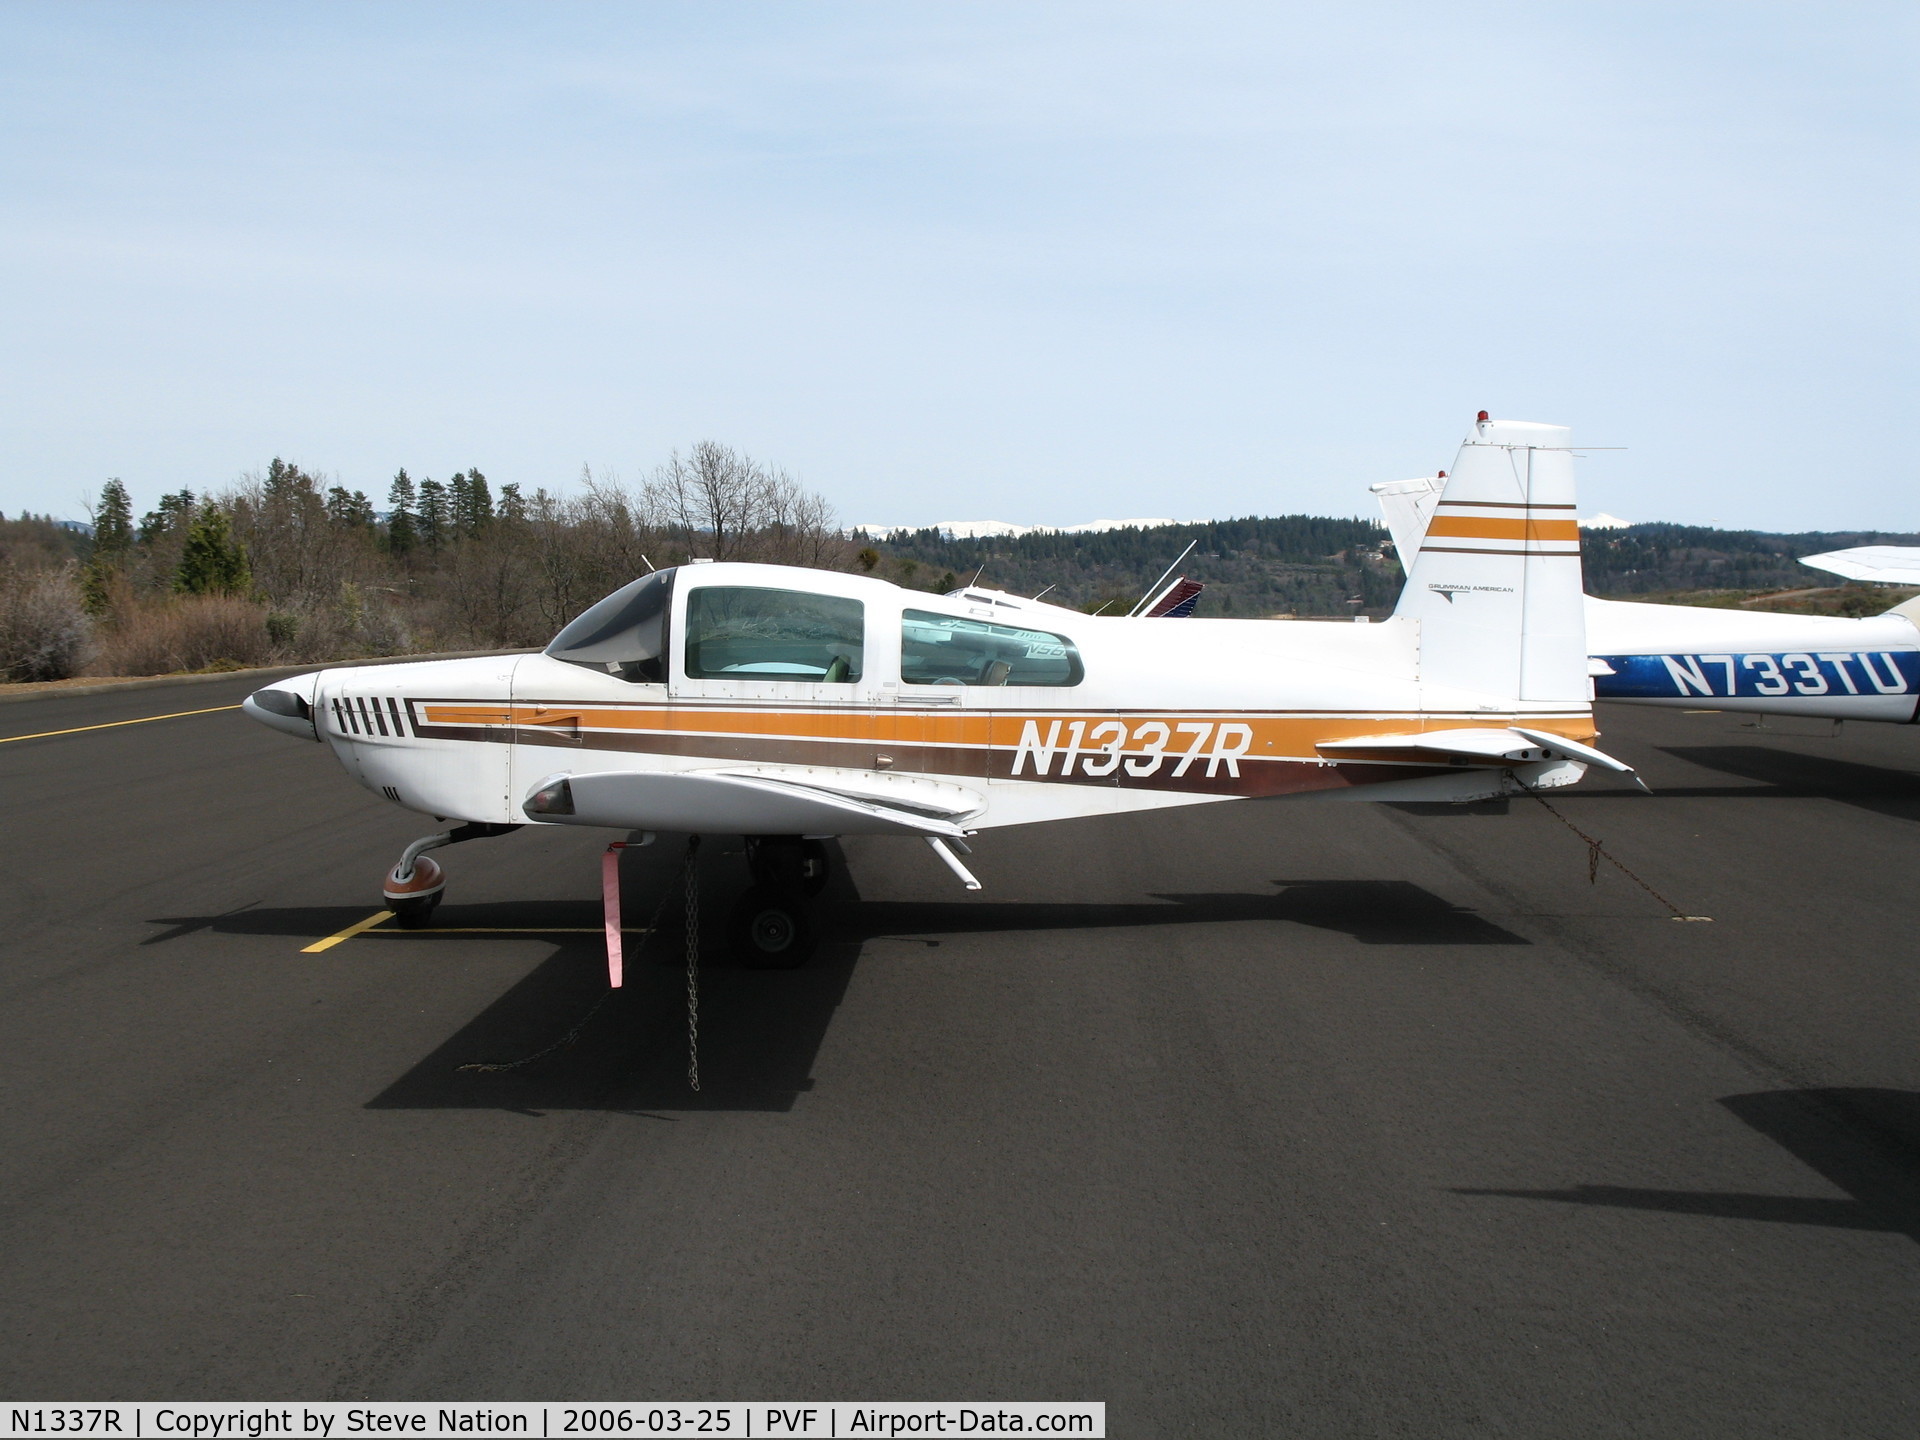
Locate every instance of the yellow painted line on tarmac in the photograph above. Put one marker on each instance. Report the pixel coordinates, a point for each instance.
(346, 934)
(366, 927)
(116, 724)
(429, 932)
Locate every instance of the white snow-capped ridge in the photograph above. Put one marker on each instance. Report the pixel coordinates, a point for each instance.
(1604, 521)
(975, 529)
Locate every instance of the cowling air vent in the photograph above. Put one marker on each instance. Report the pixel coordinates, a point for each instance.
(368, 715)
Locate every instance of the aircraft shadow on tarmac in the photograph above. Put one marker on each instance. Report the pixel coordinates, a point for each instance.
(1374, 912)
(1864, 1141)
(759, 1030)
(1788, 774)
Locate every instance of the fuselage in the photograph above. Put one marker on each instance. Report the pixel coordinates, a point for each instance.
(1010, 711)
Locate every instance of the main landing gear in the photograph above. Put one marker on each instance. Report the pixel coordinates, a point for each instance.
(414, 886)
(772, 926)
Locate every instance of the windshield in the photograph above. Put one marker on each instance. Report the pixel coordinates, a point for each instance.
(625, 635)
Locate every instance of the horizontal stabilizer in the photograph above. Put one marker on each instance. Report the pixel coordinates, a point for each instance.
(1176, 602)
(1514, 745)
(1409, 505)
(719, 803)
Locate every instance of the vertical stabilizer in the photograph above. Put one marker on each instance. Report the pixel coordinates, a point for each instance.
(1496, 584)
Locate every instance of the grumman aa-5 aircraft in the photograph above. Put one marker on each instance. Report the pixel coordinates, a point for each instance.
(1758, 662)
(789, 706)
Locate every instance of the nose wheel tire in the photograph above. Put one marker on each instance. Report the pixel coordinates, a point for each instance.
(414, 914)
(772, 928)
(412, 899)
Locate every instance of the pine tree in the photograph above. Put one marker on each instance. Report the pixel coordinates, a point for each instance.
(348, 510)
(402, 528)
(513, 505)
(283, 482)
(172, 511)
(459, 506)
(212, 561)
(113, 521)
(479, 503)
(112, 540)
(433, 513)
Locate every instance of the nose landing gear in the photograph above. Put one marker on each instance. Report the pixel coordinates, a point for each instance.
(414, 886)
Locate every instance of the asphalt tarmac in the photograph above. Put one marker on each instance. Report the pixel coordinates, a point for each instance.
(1250, 1119)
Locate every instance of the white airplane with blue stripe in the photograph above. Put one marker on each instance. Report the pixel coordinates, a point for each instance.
(1703, 658)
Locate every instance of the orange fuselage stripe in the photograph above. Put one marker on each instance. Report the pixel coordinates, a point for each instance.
(1274, 735)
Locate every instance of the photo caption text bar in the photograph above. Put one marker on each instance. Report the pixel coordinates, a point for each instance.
(736, 1420)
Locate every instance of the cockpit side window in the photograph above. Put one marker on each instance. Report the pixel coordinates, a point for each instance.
(624, 635)
(740, 632)
(946, 650)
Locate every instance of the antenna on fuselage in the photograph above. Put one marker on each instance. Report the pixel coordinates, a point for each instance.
(1154, 588)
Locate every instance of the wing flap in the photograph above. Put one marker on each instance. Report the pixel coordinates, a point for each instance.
(1484, 746)
(1511, 745)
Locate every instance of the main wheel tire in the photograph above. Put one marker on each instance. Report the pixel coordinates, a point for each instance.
(772, 928)
(414, 914)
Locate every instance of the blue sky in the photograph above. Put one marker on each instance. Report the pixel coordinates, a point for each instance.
(1034, 262)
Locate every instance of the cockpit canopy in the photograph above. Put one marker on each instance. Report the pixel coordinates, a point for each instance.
(625, 635)
(769, 632)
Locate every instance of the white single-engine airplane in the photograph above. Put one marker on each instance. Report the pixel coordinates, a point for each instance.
(789, 705)
(1744, 660)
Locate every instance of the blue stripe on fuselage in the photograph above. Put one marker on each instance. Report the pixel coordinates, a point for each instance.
(1759, 676)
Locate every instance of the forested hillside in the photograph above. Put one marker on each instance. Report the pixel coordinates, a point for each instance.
(1307, 565)
(284, 567)
(1287, 564)
(1661, 559)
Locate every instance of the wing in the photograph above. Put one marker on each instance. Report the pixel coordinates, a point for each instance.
(748, 802)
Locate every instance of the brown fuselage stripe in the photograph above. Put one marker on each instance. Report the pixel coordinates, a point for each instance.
(1503, 505)
(1256, 778)
(1526, 554)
